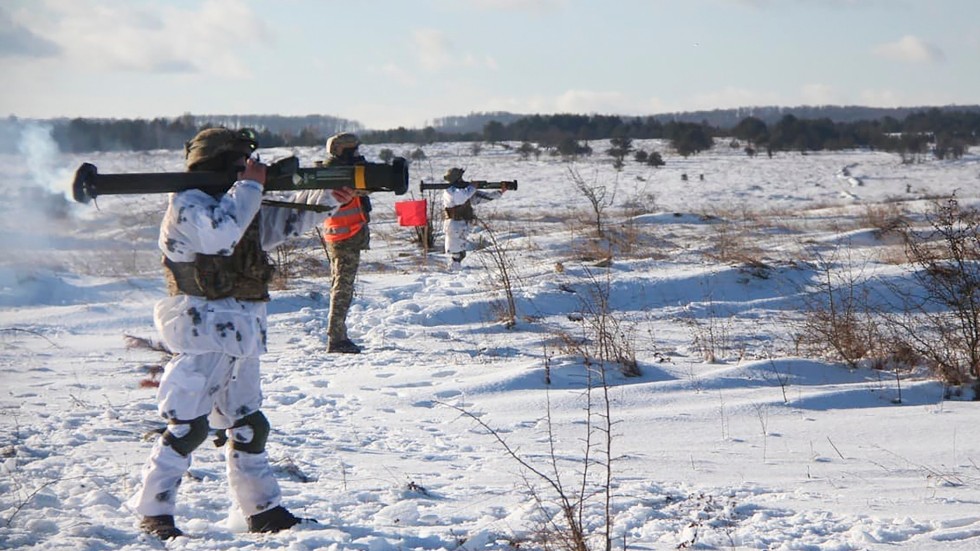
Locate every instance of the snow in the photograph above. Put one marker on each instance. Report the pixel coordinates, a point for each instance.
(760, 449)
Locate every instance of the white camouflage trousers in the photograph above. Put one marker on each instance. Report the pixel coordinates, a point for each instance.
(225, 388)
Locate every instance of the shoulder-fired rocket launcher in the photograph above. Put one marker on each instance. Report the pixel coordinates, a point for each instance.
(479, 184)
(282, 175)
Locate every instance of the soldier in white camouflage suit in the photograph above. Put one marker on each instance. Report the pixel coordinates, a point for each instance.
(458, 200)
(217, 268)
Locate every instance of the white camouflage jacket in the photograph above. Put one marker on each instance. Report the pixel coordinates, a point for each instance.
(455, 230)
(196, 222)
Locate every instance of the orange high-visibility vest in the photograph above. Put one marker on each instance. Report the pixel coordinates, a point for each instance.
(346, 222)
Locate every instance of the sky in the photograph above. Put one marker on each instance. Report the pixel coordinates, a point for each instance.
(390, 63)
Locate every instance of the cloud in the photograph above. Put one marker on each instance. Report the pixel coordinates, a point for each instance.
(432, 48)
(533, 6)
(589, 101)
(728, 97)
(882, 98)
(395, 73)
(807, 3)
(577, 101)
(212, 38)
(819, 94)
(910, 49)
(435, 52)
(19, 41)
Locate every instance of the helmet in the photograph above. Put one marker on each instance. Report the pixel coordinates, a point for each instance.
(453, 175)
(342, 142)
(218, 148)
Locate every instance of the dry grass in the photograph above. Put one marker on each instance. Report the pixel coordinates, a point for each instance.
(886, 219)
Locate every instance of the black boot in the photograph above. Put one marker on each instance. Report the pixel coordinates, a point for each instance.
(161, 526)
(345, 346)
(275, 519)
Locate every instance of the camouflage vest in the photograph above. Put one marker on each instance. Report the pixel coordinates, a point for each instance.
(461, 212)
(243, 275)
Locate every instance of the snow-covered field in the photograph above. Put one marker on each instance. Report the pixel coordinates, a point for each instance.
(760, 449)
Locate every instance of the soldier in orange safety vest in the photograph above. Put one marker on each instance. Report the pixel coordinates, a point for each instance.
(345, 235)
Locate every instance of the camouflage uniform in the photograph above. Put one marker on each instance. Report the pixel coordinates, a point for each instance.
(345, 258)
(458, 200)
(345, 236)
(218, 333)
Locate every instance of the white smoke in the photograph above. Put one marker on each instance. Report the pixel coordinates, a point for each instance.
(33, 205)
(41, 155)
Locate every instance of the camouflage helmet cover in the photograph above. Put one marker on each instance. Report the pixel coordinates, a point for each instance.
(211, 143)
(339, 143)
(453, 174)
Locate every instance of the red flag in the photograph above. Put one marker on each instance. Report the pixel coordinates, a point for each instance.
(411, 213)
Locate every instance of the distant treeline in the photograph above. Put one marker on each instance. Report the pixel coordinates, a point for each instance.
(81, 135)
(945, 132)
(948, 129)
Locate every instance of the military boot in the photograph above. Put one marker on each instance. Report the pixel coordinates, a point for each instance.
(275, 519)
(345, 346)
(161, 526)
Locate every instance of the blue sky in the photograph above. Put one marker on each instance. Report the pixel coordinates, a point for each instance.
(389, 63)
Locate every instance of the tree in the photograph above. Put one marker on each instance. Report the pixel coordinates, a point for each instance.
(569, 147)
(417, 155)
(527, 149)
(621, 147)
(493, 132)
(689, 138)
(751, 130)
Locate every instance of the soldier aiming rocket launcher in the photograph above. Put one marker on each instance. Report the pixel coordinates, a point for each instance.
(282, 175)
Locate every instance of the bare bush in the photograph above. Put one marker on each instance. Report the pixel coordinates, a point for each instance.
(608, 338)
(710, 335)
(734, 240)
(501, 272)
(838, 321)
(600, 197)
(571, 484)
(941, 320)
(886, 219)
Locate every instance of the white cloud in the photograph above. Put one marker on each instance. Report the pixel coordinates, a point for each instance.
(882, 98)
(589, 101)
(910, 49)
(397, 74)
(432, 48)
(533, 6)
(17, 40)
(810, 3)
(213, 38)
(532, 104)
(819, 94)
(728, 97)
(576, 101)
(435, 52)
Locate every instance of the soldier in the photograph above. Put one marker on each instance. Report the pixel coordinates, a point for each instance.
(345, 235)
(217, 270)
(458, 200)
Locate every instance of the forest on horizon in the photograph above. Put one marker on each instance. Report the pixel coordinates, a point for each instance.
(950, 129)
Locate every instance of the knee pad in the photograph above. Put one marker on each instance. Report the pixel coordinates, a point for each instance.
(185, 436)
(250, 433)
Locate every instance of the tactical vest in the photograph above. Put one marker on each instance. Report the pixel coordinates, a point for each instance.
(244, 275)
(461, 212)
